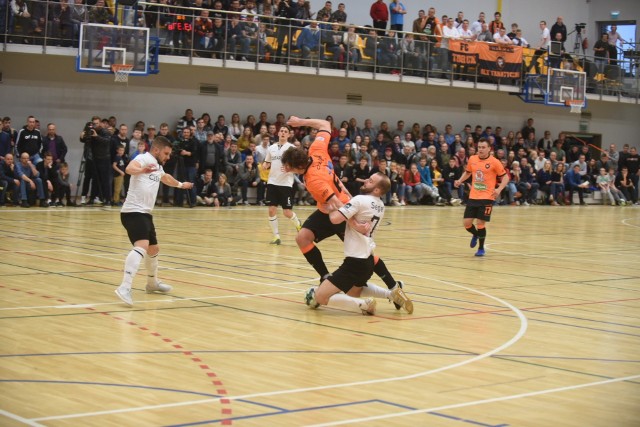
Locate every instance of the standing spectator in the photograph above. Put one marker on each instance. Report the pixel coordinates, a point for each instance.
(542, 48)
(601, 52)
(29, 140)
(559, 27)
(485, 35)
(118, 165)
(614, 38)
(484, 171)
(8, 137)
(325, 12)
(339, 15)
(496, 25)
(380, 16)
(632, 163)
(188, 155)
(54, 144)
(249, 178)
(397, 12)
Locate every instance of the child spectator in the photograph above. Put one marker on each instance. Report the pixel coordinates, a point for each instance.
(142, 148)
(118, 167)
(64, 187)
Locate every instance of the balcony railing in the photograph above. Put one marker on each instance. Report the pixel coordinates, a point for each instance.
(231, 37)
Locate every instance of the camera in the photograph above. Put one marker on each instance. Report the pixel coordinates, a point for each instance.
(88, 128)
(580, 26)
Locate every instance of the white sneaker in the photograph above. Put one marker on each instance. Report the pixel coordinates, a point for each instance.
(400, 299)
(368, 306)
(83, 200)
(158, 287)
(125, 295)
(456, 202)
(525, 203)
(97, 201)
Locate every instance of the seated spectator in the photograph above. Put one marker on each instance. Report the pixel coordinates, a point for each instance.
(351, 45)
(603, 182)
(624, 183)
(574, 182)
(222, 192)
(413, 185)
(361, 173)
(389, 53)
(64, 186)
(411, 56)
(238, 41)
(48, 173)
(545, 182)
(333, 47)
(528, 185)
(205, 187)
(246, 139)
(29, 181)
(10, 176)
(615, 191)
(427, 183)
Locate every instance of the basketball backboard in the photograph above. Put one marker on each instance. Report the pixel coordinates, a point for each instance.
(566, 87)
(102, 46)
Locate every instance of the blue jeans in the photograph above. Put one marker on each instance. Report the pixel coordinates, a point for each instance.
(25, 187)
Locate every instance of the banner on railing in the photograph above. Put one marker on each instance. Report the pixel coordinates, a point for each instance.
(493, 60)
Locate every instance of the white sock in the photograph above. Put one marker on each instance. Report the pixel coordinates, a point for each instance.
(345, 302)
(151, 263)
(375, 291)
(273, 222)
(294, 218)
(131, 266)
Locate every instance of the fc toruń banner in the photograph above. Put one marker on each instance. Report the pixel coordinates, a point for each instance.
(493, 60)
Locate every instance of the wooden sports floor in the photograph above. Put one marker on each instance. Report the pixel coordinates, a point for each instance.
(543, 331)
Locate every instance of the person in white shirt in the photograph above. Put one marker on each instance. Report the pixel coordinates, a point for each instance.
(501, 37)
(542, 48)
(146, 175)
(476, 27)
(347, 287)
(448, 32)
(518, 40)
(280, 184)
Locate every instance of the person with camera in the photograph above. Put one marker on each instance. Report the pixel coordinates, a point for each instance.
(97, 142)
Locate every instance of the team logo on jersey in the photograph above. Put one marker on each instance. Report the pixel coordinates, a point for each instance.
(348, 206)
(487, 165)
(479, 176)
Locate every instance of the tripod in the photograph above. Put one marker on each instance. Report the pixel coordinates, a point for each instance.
(578, 42)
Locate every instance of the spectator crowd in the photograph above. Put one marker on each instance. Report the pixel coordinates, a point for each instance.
(223, 158)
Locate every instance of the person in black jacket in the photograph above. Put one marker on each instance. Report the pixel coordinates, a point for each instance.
(97, 140)
(212, 155)
(189, 154)
(29, 140)
(54, 144)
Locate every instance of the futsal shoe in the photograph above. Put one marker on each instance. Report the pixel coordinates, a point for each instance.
(400, 299)
(310, 298)
(474, 242)
(125, 295)
(275, 241)
(480, 252)
(368, 306)
(158, 287)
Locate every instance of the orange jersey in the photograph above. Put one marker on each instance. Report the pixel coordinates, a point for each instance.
(320, 179)
(484, 175)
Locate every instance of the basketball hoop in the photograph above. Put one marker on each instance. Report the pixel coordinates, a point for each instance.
(121, 72)
(576, 105)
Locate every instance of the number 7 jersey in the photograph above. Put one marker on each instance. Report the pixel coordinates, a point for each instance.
(363, 208)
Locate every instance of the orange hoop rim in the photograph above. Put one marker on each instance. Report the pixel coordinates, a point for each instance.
(570, 102)
(121, 67)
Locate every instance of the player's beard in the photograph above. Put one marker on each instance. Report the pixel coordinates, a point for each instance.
(364, 190)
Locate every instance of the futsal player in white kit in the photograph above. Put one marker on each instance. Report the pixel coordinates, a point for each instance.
(146, 174)
(351, 277)
(279, 184)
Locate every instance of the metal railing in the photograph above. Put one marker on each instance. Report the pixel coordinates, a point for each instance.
(263, 39)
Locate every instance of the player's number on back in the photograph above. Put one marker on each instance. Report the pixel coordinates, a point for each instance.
(374, 224)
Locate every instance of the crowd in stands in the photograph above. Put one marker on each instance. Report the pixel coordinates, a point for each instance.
(223, 158)
(292, 31)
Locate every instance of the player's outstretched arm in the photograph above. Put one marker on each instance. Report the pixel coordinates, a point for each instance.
(314, 123)
(169, 180)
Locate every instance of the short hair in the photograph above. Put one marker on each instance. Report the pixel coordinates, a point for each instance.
(384, 184)
(161, 142)
(64, 165)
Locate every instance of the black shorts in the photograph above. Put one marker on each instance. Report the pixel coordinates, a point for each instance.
(279, 195)
(352, 272)
(479, 209)
(139, 226)
(321, 226)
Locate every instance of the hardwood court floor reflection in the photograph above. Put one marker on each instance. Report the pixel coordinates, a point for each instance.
(544, 330)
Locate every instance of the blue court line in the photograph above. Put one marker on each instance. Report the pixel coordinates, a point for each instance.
(321, 352)
(171, 390)
(278, 410)
(315, 408)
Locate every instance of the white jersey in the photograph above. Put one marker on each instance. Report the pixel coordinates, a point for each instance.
(143, 188)
(365, 208)
(277, 176)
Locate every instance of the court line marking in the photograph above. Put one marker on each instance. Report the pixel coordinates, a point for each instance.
(533, 255)
(478, 402)
(170, 300)
(20, 419)
(519, 334)
(624, 222)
